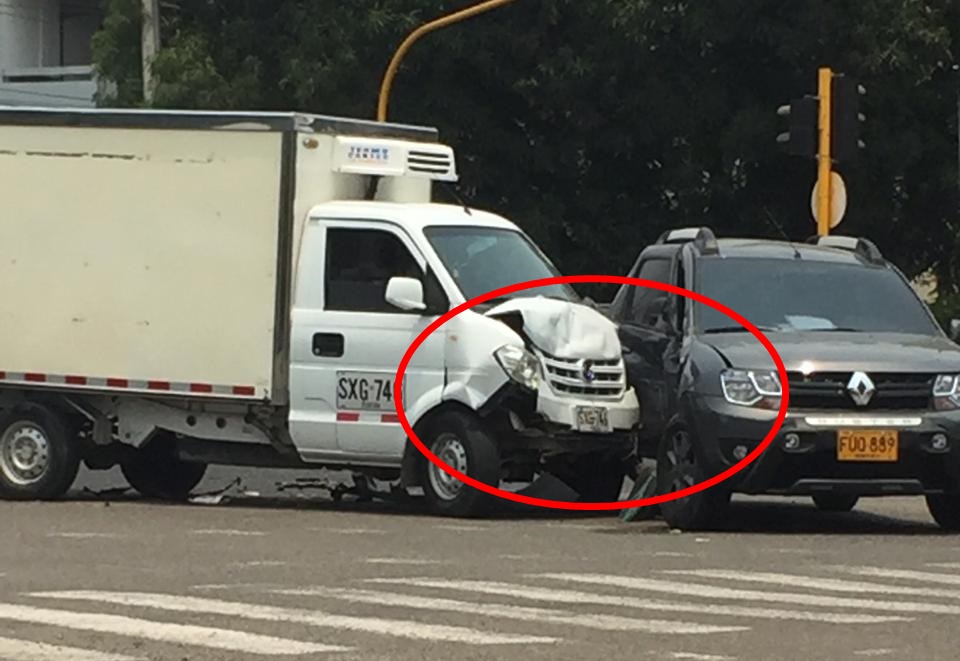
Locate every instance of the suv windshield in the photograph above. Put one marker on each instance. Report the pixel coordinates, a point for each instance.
(798, 295)
(482, 259)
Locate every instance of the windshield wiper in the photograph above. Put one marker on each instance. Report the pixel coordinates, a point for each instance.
(738, 329)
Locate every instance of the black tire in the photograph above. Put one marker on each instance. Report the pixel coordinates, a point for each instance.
(39, 458)
(835, 502)
(945, 510)
(596, 478)
(156, 471)
(679, 467)
(460, 440)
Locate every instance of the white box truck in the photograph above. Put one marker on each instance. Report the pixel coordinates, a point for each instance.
(180, 289)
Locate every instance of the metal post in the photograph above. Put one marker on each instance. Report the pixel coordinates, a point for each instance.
(150, 44)
(825, 163)
(424, 29)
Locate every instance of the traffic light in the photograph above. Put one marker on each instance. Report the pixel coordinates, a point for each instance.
(801, 139)
(846, 121)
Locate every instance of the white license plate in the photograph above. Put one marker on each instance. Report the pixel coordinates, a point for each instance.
(593, 419)
(365, 391)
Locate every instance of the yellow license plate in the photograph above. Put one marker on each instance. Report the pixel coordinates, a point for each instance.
(868, 445)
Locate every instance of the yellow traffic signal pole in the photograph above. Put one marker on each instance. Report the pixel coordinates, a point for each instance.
(824, 162)
(424, 29)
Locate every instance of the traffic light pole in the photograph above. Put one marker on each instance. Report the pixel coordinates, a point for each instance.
(824, 161)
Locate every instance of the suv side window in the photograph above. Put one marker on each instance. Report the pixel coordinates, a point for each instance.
(360, 263)
(647, 305)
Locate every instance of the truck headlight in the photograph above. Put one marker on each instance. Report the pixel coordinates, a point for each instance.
(520, 365)
(946, 392)
(750, 387)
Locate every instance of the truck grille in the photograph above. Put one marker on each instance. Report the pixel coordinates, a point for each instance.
(894, 391)
(569, 377)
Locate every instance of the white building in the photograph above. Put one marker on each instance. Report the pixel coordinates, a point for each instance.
(45, 55)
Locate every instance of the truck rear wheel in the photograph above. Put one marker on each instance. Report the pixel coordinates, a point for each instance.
(945, 509)
(460, 441)
(678, 467)
(156, 471)
(39, 460)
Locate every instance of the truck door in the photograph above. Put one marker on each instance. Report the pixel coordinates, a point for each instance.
(357, 340)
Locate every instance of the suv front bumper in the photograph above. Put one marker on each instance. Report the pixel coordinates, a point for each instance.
(812, 467)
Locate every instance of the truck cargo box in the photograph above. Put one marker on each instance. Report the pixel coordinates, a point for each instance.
(152, 251)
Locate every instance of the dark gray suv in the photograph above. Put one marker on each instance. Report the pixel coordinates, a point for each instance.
(874, 383)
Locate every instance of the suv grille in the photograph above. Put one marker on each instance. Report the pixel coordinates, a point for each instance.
(894, 391)
(568, 377)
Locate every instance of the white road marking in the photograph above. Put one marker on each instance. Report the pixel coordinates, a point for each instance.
(181, 634)
(944, 565)
(84, 535)
(401, 561)
(831, 584)
(673, 554)
(230, 533)
(260, 563)
(12, 649)
(353, 531)
(877, 652)
(701, 657)
(923, 576)
(389, 627)
(711, 592)
(522, 613)
(233, 586)
(457, 528)
(576, 597)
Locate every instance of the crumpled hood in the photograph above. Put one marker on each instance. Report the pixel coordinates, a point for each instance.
(842, 352)
(563, 329)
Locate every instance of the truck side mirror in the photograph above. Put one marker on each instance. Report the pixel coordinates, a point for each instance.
(406, 294)
(955, 330)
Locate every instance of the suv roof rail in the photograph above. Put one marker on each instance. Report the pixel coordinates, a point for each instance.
(703, 238)
(863, 247)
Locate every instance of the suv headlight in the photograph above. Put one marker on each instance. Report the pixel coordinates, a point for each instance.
(520, 365)
(750, 387)
(946, 392)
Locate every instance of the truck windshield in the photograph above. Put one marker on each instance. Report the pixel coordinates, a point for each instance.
(482, 259)
(798, 295)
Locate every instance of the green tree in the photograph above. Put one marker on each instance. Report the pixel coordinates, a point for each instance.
(597, 124)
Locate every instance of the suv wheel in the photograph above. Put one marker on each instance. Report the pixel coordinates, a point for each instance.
(945, 509)
(460, 441)
(835, 502)
(678, 467)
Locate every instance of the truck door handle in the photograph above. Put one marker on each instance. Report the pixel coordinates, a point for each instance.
(328, 345)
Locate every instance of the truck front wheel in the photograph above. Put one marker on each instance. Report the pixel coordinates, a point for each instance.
(460, 441)
(39, 460)
(156, 471)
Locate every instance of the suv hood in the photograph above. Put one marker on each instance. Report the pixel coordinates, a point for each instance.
(841, 352)
(562, 329)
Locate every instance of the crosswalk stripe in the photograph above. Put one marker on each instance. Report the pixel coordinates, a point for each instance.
(391, 627)
(794, 580)
(923, 576)
(711, 592)
(522, 613)
(181, 634)
(12, 649)
(534, 593)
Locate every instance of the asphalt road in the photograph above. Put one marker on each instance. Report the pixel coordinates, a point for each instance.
(271, 575)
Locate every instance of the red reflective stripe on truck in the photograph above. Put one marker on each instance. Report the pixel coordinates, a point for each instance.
(390, 418)
(118, 383)
(244, 391)
(75, 380)
(201, 387)
(158, 385)
(343, 416)
(115, 383)
(35, 378)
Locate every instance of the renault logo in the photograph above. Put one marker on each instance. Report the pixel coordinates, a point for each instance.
(861, 389)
